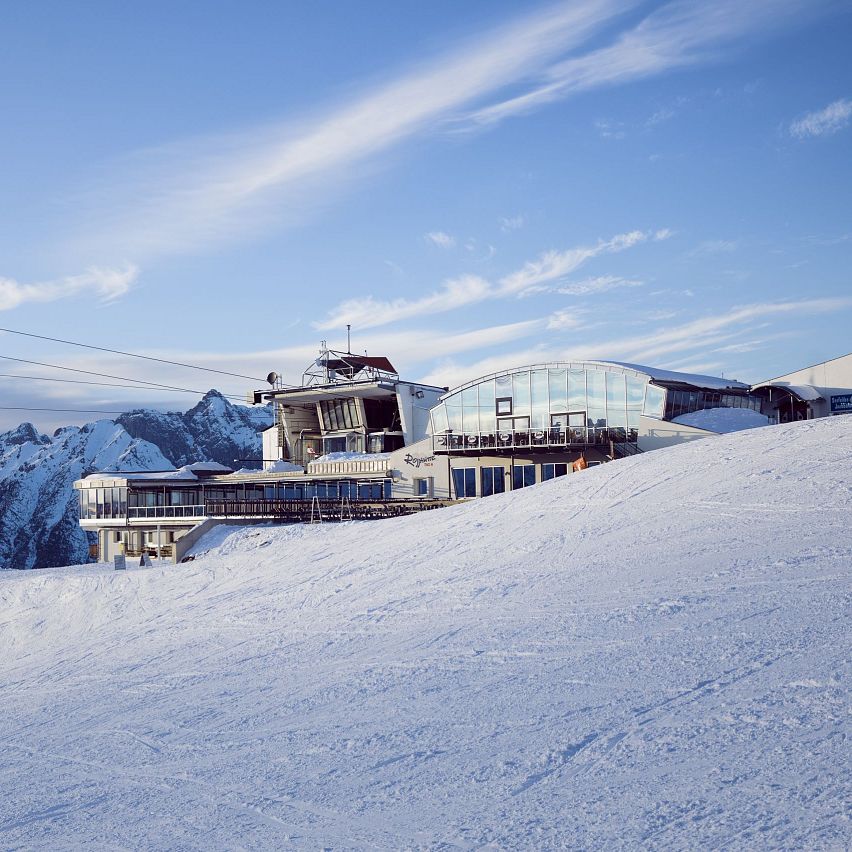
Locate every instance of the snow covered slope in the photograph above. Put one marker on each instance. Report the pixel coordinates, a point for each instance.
(647, 654)
(724, 419)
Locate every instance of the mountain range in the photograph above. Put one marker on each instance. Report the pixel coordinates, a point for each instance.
(38, 505)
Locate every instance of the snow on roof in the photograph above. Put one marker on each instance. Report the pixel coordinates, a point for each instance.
(697, 379)
(180, 473)
(339, 457)
(208, 467)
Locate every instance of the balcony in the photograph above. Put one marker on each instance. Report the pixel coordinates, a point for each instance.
(138, 513)
(543, 440)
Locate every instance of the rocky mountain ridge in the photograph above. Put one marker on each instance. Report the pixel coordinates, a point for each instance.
(38, 505)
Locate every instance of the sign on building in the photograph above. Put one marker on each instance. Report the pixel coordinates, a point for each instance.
(841, 402)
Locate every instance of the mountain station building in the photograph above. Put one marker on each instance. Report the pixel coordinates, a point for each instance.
(356, 441)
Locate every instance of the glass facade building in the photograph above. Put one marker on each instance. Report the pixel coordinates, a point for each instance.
(545, 406)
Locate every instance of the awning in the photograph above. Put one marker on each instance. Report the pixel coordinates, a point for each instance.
(806, 393)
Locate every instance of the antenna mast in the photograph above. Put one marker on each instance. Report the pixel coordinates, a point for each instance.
(348, 339)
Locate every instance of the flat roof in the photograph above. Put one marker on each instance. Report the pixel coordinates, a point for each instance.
(372, 389)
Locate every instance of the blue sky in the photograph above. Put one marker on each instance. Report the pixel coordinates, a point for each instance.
(472, 186)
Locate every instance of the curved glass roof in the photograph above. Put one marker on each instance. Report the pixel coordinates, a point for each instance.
(582, 394)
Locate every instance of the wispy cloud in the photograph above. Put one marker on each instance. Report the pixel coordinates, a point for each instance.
(691, 342)
(440, 239)
(512, 223)
(204, 191)
(712, 330)
(598, 284)
(369, 312)
(709, 247)
(608, 129)
(553, 265)
(676, 35)
(106, 284)
(823, 122)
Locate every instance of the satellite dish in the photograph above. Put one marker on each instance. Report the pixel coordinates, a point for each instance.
(272, 378)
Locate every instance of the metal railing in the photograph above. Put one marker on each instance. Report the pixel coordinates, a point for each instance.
(573, 436)
(143, 512)
(318, 508)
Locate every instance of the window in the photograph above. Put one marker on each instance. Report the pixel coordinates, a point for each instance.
(655, 398)
(339, 414)
(493, 481)
(464, 482)
(523, 475)
(423, 487)
(504, 405)
(550, 471)
(334, 445)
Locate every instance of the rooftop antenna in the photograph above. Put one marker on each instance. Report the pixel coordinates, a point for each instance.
(348, 339)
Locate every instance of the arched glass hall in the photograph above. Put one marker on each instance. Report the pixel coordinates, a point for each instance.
(546, 406)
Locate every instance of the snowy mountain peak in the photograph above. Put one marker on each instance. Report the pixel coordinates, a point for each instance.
(38, 506)
(26, 433)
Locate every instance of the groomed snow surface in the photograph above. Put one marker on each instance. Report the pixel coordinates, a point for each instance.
(647, 654)
(724, 419)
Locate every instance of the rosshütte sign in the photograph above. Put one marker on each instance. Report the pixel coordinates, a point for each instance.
(841, 402)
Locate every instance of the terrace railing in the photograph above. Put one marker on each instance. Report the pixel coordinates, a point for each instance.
(135, 513)
(579, 436)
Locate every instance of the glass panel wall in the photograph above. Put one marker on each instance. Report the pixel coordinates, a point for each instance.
(539, 406)
(523, 475)
(493, 481)
(558, 386)
(521, 394)
(545, 406)
(655, 400)
(96, 503)
(464, 482)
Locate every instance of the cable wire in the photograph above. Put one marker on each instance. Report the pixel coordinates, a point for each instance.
(129, 354)
(96, 384)
(109, 376)
(67, 410)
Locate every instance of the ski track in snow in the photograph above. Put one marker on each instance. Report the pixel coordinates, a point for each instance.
(650, 654)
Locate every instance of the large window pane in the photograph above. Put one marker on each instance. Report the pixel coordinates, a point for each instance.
(616, 401)
(558, 386)
(470, 408)
(439, 419)
(539, 399)
(454, 412)
(596, 390)
(464, 482)
(521, 394)
(487, 475)
(523, 475)
(655, 399)
(576, 390)
(487, 419)
(493, 481)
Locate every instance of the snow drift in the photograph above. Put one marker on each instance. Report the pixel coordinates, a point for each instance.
(645, 654)
(724, 419)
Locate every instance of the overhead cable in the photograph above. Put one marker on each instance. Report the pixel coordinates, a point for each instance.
(96, 384)
(66, 410)
(129, 354)
(109, 376)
